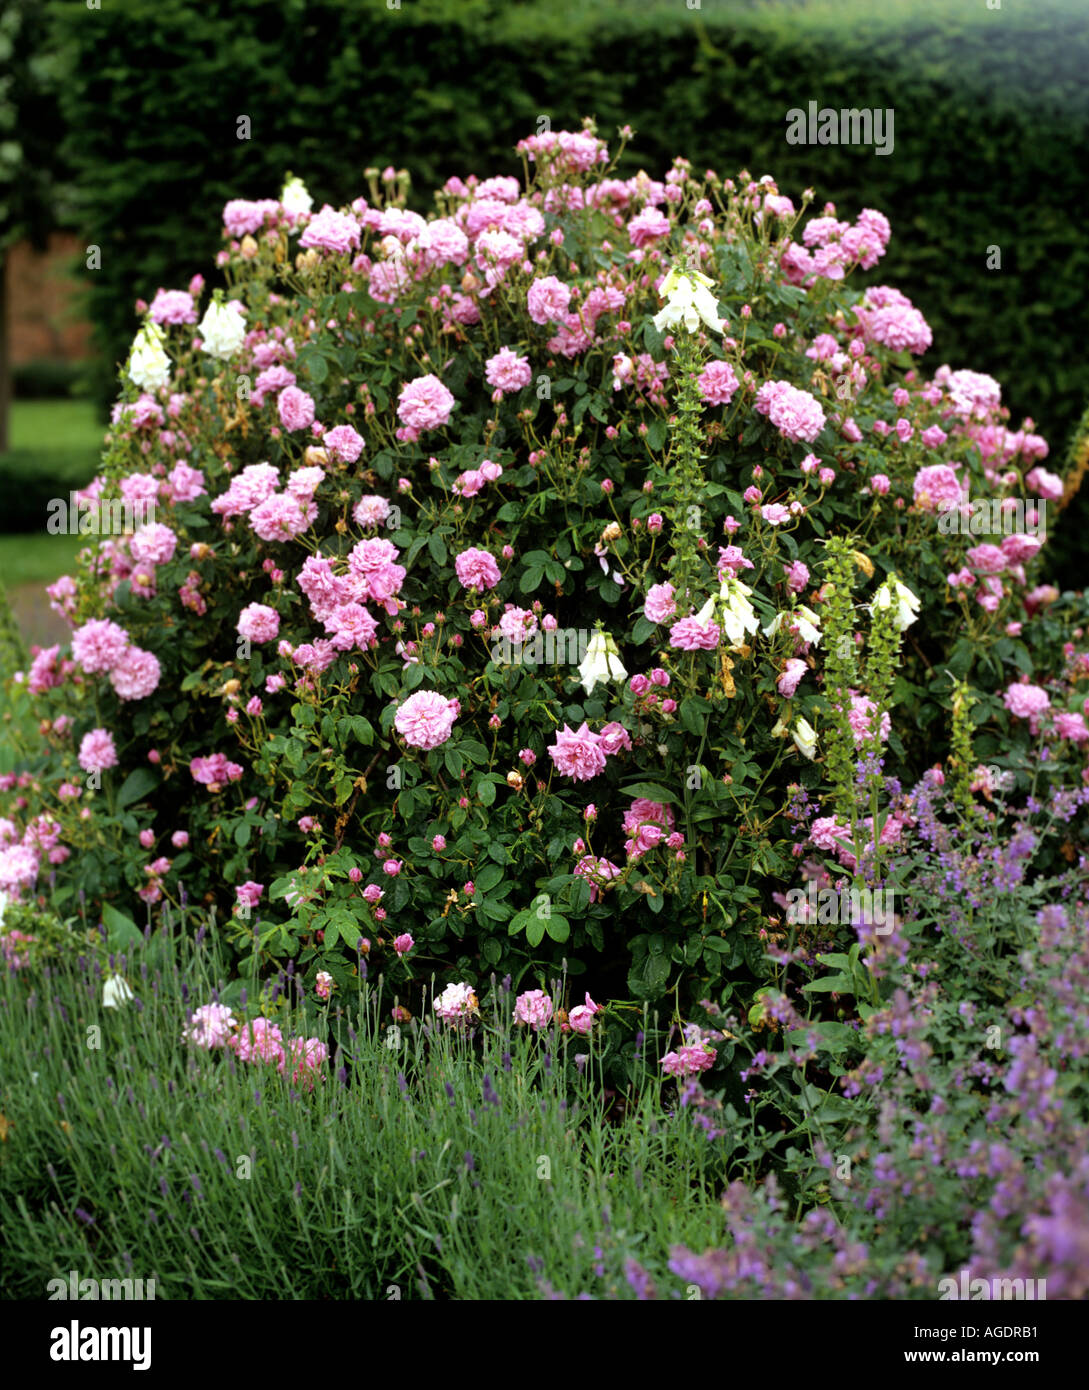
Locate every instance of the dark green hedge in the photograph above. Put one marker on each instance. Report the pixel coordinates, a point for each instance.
(47, 379)
(991, 125)
(30, 478)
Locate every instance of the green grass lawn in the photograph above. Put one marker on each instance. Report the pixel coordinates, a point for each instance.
(56, 425)
(37, 558)
(60, 440)
(45, 430)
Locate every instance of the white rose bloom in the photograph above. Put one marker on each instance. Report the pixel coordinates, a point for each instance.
(688, 301)
(738, 615)
(295, 199)
(149, 366)
(805, 739)
(115, 992)
(802, 619)
(222, 329)
(601, 662)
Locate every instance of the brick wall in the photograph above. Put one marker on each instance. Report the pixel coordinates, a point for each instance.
(44, 322)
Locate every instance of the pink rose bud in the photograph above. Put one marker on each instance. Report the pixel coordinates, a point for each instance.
(180, 839)
(147, 838)
(438, 843)
(403, 944)
(354, 874)
(392, 867)
(469, 888)
(153, 755)
(639, 685)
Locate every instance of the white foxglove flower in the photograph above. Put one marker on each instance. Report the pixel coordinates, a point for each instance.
(891, 593)
(149, 366)
(805, 739)
(738, 615)
(601, 662)
(295, 200)
(688, 301)
(222, 329)
(803, 620)
(115, 992)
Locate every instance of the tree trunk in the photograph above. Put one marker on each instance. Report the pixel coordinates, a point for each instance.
(5, 354)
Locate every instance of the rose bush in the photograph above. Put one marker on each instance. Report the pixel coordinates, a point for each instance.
(488, 594)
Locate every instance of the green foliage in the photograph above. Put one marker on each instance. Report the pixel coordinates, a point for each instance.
(13, 654)
(31, 168)
(413, 1154)
(55, 450)
(46, 379)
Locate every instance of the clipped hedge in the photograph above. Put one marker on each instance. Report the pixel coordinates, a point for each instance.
(31, 478)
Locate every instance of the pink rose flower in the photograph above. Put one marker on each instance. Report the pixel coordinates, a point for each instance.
(507, 372)
(426, 719)
(424, 404)
(476, 569)
(717, 383)
(295, 408)
(248, 894)
(789, 680)
(136, 675)
(1027, 702)
(534, 1008)
(578, 753)
(210, 1026)
(660, 603)
(259, 623)
(97, 751)
(548, 300)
